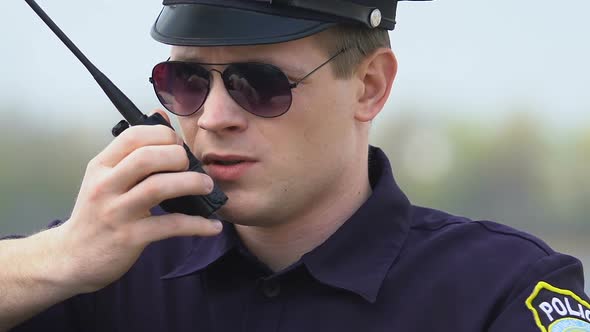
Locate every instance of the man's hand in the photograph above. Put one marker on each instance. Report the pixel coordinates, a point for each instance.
(110, 224)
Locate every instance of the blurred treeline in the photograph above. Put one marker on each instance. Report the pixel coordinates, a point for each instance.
(41, 169)
(516, 170)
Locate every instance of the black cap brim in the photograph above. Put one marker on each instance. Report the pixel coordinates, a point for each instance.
(207, 25)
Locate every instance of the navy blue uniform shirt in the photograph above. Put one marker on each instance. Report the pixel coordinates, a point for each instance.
(391, 267)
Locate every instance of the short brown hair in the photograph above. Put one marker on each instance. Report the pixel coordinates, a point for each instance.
(358, 41)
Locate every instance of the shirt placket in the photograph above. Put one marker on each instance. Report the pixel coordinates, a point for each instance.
(266, 307)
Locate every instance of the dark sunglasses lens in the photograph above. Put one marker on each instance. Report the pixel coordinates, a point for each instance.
(261, 89)
(181, 87)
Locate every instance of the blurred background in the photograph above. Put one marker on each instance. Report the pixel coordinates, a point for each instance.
(489, 117)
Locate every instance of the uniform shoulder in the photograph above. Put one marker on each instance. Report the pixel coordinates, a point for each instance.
(455, 250)
(431, 224)
(486, 269)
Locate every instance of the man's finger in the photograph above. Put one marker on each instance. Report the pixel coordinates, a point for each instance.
(147, 160)
(162, 186)
(157, 228)
(134, 138)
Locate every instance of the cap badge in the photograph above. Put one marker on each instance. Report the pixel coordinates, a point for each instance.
(375, 18)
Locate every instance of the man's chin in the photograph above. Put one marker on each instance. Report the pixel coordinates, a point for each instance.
(236, 213)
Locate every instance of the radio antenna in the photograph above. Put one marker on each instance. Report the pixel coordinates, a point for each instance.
(125, 106)
(192, 204)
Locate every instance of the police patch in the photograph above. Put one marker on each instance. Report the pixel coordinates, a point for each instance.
(558, 310)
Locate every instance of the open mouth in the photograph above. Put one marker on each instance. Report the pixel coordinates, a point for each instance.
(227, 167)
(226, 162)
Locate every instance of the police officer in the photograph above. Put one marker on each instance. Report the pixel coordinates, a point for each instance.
(277, 99)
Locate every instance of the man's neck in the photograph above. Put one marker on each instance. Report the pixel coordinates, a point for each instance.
(281, 245)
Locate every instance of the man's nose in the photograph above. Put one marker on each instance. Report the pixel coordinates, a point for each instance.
(220, 112)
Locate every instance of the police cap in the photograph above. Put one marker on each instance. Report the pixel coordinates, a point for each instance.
(250, 22)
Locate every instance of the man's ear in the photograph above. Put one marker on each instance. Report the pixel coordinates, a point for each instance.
(376, 74)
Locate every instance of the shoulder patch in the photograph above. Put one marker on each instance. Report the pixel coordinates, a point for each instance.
(558, 310)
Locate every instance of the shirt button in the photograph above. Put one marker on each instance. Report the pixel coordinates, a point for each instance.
(271, 288)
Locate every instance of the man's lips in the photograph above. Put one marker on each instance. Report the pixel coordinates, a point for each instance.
(213, 158)
(227, 167)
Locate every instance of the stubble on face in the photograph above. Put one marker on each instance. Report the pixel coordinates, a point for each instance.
(305, 158)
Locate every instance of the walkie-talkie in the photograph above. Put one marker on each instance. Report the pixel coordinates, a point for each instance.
(191, 205)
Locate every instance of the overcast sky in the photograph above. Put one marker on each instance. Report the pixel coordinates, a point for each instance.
(462, 57)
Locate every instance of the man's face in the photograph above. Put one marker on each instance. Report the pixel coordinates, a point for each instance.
(297, 161)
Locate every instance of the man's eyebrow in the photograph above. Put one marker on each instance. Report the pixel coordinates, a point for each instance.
(185, 58)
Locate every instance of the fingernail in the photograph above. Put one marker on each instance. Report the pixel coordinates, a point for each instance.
(217, 224)
(208, 183)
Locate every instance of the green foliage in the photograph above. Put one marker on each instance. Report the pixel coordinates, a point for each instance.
(514, 172)
(40, 172)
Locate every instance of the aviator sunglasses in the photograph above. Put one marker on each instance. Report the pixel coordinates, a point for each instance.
(259, 88)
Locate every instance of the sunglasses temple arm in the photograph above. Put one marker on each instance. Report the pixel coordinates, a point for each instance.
(294, 85)
(125, 106)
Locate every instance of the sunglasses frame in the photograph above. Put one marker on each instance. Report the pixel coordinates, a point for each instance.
(292, 85)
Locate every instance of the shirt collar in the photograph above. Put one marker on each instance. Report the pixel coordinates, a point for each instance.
(356, 257)
(205, 251)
